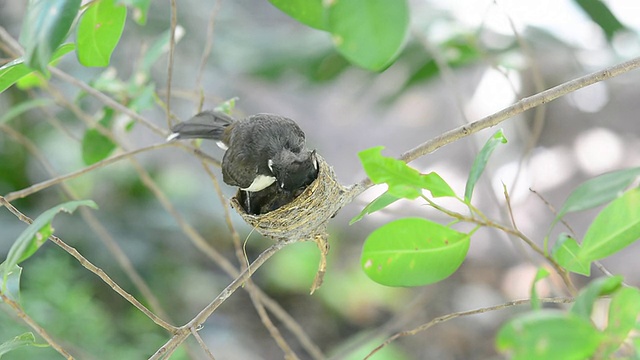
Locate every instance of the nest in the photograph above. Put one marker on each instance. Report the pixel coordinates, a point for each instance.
(305, 218)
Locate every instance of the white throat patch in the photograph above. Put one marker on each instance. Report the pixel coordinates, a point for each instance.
(260, 183)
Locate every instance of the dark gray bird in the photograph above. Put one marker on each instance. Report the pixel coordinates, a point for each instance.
(260, 150)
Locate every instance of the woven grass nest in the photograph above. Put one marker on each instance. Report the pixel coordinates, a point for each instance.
(305, 218)
(307, 215)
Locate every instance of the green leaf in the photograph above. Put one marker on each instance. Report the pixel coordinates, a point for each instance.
(159, 47)
(13, 71)
(23, 107)
(623, 314)
(11, 286)
(403, 180)
(480, 162)
(599, 190)
(565, 253)
(44, 28)
(22, 340)
(535, 300)
(308, 12)
(95, 146)
(548, 334)
(587, 296)
(140, 9)
(369, 33)
(35, 235)
(378, 203)
(227, 106)
(601, 15)
(99, 31)
(413, 252)
(615, 227)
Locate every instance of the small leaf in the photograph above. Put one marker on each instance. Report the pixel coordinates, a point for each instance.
(369, 33)
(99, 32)
(413, 252)
(95, 146)
(565, 253)
(378, 203)
(403, 180)
(308, 12)
(227, 106)
(548, 334)
(11, 286)
(13, 71)
(623, 314)
(480, 162)
(22, 340)
(140, 9)
(587, 296)
(159, 47)
(599, 190)
(615, 227)
(35, 235)
(601, 15)
(44, 28)
(535, 300)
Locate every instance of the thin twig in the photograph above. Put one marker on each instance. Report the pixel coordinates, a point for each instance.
(452, 316)
(172, 47)
(204, 346)
(251, 288)
(184, 331)
(57, 180)
(94, 269)
(34, 325)
(94, 224)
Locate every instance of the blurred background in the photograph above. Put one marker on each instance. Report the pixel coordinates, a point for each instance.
(463, 60)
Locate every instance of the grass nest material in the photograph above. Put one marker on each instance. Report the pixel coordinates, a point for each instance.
(306, 217)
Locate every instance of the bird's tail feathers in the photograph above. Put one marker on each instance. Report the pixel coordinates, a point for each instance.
(205, 125)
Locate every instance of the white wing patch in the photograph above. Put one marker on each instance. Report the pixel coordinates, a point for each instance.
(222, 145)
(260, 183)
(173, 136)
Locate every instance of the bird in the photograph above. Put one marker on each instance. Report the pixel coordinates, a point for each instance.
(260, 150)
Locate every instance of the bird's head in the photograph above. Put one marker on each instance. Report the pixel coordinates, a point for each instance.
(294, 171)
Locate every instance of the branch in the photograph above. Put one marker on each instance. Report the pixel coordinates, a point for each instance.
(492, 120)
(452, 316)
(94, 269)
(184, 331)
(32, 324)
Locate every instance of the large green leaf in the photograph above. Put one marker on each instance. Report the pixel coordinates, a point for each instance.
(403, 180)
(308, 12)
(16, 69)
(35, 235)
(615, 227)
(44, 28)
(413, 252)
(480, 162)
(369, 33)
(99, 31)
(548, 334)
